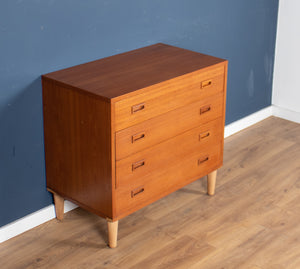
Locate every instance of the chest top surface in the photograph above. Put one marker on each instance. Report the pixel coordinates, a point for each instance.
(124, 73)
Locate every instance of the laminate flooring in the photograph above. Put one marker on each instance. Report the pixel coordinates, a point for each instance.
(253, 221)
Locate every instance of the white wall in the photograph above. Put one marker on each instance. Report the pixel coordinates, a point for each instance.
(286, 79)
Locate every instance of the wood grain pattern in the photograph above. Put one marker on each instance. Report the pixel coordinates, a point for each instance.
(168, 95)
(161, 182)
(115, 77)
(193, 143)
(252, 223)
(78, 151)
(168, 125)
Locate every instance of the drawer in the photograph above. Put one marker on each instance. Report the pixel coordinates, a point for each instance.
(165, 126)
(168, 95)
(168, 153)
(155, 185)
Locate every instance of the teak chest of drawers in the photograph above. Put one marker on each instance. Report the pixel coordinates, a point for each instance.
(127, 130)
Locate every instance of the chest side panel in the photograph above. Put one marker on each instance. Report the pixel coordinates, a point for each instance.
(78, 147)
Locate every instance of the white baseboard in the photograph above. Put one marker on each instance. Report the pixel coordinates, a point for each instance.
(243, 123)
(30, 221)
(41, 216)
(286, 114)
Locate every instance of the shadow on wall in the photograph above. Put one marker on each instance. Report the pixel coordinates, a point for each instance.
(22, 169)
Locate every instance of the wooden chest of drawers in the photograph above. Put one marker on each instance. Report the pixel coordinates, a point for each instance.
(124, 131)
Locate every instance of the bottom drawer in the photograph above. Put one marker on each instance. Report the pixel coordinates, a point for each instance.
(154, 186)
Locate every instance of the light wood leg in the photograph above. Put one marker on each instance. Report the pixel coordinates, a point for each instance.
(59, 206)
(112, 233)
(211, 182)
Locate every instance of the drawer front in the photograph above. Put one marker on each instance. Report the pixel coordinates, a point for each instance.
(165, 126)
(169, 95)
(149, 161)
(161, 182)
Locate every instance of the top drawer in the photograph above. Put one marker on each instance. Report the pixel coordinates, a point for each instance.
(169, 95)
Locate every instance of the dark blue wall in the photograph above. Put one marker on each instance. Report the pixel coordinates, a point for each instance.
(38, 36)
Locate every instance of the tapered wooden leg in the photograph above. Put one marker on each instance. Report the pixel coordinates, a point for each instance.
(112, 227)
(211, 182)
(59, 206)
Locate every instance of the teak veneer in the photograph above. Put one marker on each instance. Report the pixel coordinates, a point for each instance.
(124, 131)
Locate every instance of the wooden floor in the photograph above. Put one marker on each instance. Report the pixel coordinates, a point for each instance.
(253, 221)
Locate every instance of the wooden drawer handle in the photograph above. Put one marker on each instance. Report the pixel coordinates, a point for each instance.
(203, 160)
(205, 109)
(138, 164)
(204, 135)
(137, 108)
(206, 83)
(137, 137)
(137, 191)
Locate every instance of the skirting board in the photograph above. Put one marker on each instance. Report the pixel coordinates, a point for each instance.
(30, 221)
(41, 216)
(245, 122)
(286, 114)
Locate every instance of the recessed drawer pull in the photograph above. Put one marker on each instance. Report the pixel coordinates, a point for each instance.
(205, 109)
(206, 83)
(137, 137)
(137, 191)
(204, 135)
(138, 164)
(203, 160)
(137, 108)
